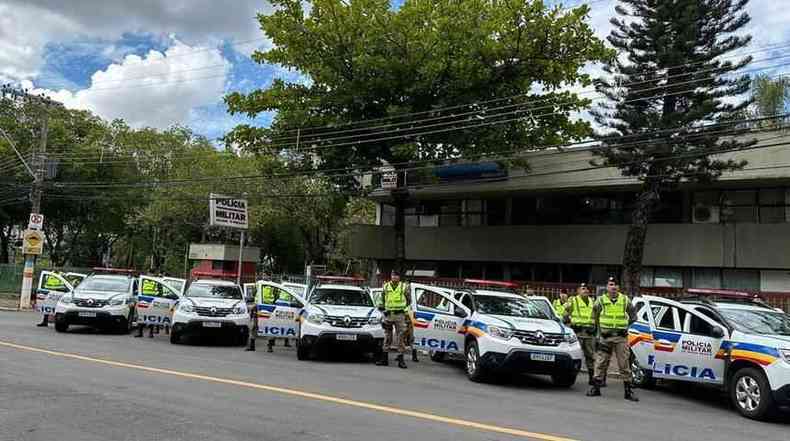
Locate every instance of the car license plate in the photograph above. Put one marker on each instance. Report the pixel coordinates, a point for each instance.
(87, 314)
(346, 337)
(541, 357)
(212, 324)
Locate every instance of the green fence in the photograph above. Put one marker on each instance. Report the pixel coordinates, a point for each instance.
(11, 277)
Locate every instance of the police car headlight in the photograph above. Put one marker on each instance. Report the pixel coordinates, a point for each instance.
(503, 333)
(239, 309)
(315, 318)
(571, 338)
(67, 299)
(117, 301)
(186, 308)
(375, 320)
(785, 354)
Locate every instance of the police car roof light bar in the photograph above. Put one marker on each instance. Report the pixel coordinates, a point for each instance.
(130, 272)
(348, 280)
(492, 283)
(210, 275)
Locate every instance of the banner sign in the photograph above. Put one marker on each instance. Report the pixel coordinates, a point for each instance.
(228, 212)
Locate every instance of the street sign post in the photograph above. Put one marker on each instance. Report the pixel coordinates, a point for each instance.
(389, 178)
(36, 221)
(230, 212)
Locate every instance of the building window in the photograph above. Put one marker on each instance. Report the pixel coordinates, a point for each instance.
(766, 205)
(471, 270)
(741, 279)
(495, 271)
(661, 277)
(524, 211)
(520, 271)
(473, 213)
(709, 278)
(496, 212)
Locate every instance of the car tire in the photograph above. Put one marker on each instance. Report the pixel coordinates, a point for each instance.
(175, 337)
(242, 339)
(641, 378)
(302, 350)
(565, 379)
(438, 357)
(751, 394)
(61, 325)
(474, 368)
(125, 325)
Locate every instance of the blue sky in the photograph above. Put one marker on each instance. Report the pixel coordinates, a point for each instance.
(159, 64)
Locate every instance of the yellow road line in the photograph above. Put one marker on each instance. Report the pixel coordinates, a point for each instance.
(303, 394)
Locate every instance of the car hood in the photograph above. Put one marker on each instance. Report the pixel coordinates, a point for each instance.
(771, 341)
(209, 302)
(96, 294)
(351, 311)
(523, 324)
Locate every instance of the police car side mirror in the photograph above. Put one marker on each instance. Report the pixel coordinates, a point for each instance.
(460, 313)
(717, 332)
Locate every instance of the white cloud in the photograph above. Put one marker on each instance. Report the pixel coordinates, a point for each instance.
(157, 90)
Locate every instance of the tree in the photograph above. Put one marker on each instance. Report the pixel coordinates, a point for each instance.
(771, 97)
(667, 81)
(363, 60)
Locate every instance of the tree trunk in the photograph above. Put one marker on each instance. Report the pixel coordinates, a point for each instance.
(400, 229)
(635, 240)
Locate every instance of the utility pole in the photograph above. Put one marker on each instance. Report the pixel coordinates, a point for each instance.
(35, 200)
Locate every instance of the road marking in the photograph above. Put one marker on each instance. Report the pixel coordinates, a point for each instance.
(303, 394)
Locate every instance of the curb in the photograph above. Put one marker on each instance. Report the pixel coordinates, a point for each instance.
(3, 308)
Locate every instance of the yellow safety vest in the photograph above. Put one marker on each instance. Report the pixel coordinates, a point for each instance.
(53, 283)
(268, 295)
(613, 315)
(149, 287)
(581, 313)
(559, 308)
(395, 297)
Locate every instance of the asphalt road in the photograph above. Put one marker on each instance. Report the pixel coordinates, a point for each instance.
(86, 386)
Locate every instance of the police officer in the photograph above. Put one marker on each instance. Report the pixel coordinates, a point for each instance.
(394, 303)
(254, 322)
(51, 283)
(578, 312)
(269, 297)
(559, 304)
(612, 314)
(149, 288)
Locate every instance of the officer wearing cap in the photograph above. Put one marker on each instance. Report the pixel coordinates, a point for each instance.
(393, 303)
(612, 314)
(579, 313)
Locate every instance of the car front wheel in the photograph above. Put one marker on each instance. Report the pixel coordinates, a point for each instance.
(565, 379)
(641, 378)
(474, 368)
(751, 394)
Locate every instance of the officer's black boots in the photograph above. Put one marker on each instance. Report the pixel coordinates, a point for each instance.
(629, 393)
(151, 332)
(270, 347)
(414, 356)
(603, 382)
(139, 331)
(384, 360)
(401, 362)
(591, 380)
(250, 345)
(44, 321)
(595, 389)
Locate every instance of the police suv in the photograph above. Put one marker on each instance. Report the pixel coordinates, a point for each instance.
(211, 306)
(496, 330)
(104, 299)
(336, 311)
(737, 344)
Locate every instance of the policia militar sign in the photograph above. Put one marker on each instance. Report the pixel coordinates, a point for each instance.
(228, 212)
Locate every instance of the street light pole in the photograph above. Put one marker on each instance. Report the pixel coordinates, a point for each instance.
(35, 199)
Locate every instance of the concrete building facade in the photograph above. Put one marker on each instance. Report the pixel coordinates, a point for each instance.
(565, 220)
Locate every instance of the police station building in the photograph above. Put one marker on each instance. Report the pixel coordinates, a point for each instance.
(565, 221)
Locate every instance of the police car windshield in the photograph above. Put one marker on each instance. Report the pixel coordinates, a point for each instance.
(345, 297)
(105, 284)
(509, 306)
(214, 291)
(758, 321)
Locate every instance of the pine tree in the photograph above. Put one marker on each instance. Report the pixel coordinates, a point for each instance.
(669, 80)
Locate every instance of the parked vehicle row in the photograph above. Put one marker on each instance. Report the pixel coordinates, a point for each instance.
(738, 345)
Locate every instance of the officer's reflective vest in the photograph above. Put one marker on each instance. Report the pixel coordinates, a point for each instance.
(613, 315)
(149, 287)
(284, 296)
(53, 283)
(395, 297)
(559, 308)
(268, 295)
(581, 313)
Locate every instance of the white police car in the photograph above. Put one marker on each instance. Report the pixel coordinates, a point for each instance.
(338, 311)
(496, 331)
(211, 306)
(104, 299)
(741, 346)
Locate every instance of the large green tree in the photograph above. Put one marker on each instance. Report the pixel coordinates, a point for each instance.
(502, 66)
(670, 78)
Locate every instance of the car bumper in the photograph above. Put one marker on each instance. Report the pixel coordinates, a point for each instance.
(198, 326)
(781, 396)
(521, 361)
(100, 318)
(365, 341)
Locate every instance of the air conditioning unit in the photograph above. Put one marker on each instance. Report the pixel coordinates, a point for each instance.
(706, 214)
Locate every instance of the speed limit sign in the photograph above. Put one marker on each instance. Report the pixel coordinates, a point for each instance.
(36, 221)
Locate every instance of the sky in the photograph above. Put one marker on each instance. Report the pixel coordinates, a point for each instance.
(159, 63)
